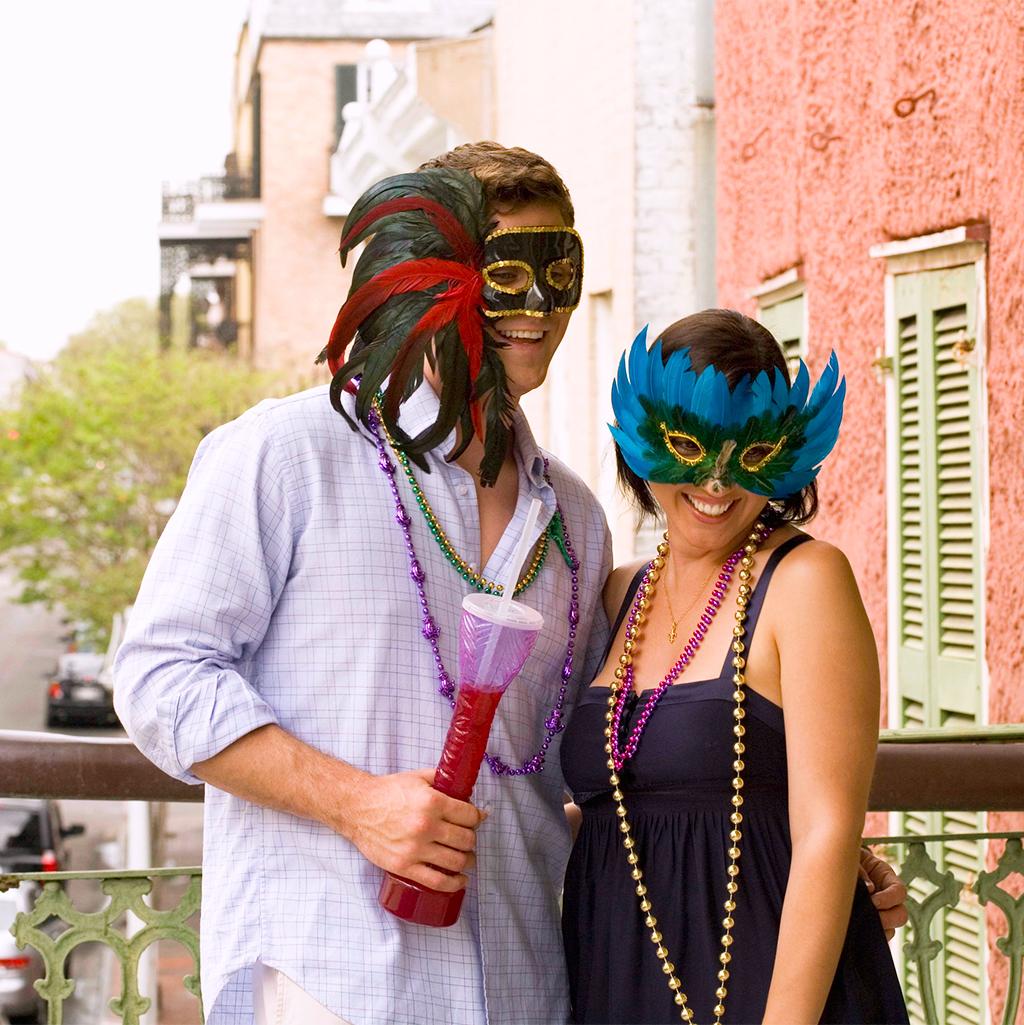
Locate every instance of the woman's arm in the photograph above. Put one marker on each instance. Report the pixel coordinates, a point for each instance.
(830, 687)
(574, 816)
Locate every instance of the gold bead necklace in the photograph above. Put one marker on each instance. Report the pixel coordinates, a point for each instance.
(630, 648)
(463, 568)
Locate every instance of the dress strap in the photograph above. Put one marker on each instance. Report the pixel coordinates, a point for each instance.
(761, 587)
(634, 586)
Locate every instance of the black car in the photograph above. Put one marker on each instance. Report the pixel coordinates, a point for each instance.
(31, 840)
(78, 694)
(32, 836)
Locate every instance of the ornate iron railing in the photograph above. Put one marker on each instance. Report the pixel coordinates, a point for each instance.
(949, 987)
(126, 891)
(917, 774)
(179, 202)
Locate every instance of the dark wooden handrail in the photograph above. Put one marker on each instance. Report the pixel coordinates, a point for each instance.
(932, 775)
(107, 769)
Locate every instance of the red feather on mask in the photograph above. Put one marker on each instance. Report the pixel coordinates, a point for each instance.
(462, 304)
(411, 276)
(444, 220)
(418, 292)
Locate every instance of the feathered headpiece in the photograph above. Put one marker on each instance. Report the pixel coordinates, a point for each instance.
(675, 426)
(417, 293)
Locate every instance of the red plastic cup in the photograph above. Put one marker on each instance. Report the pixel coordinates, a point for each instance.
(495, 640)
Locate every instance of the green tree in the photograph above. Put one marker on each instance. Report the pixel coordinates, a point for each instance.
(95, 454)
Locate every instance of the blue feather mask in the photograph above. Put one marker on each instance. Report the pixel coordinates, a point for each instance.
(675, 426)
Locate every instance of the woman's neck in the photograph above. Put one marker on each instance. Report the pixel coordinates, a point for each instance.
(691, 550)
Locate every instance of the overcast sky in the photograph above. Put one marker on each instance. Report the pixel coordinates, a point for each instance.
(100, 101)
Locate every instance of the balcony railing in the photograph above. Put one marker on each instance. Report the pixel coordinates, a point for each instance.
(944, 774)
(179, 202)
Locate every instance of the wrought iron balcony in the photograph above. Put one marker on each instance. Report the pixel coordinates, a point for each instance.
(949, 774)
(179, 203)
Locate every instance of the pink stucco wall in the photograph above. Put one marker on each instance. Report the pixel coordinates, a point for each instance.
(815, 166)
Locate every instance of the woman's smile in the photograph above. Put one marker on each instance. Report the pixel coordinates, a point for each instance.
(709, 508)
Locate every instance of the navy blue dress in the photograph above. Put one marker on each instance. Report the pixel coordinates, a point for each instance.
(677, 789)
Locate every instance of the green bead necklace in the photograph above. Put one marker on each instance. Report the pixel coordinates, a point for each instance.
(474, 579)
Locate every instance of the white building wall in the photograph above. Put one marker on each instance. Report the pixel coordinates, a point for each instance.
(675, 170)
(674, 196)
(564, 88)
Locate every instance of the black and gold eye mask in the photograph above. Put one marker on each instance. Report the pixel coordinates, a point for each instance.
(532, 271)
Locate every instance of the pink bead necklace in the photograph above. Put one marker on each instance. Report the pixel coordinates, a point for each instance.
(622, 753)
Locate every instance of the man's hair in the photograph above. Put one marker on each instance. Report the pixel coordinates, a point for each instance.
(511, 176)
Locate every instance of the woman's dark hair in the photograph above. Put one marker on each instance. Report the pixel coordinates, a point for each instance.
(736, 345)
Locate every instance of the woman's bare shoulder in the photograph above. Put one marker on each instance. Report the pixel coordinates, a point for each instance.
(617, 585)
(815, 563)
(814, 579)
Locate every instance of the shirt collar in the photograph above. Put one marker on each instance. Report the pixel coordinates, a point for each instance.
(420, 410)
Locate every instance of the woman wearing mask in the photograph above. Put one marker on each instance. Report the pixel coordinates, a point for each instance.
(728, 743)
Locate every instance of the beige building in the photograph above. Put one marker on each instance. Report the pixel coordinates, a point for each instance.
(255, 246)
(619, 96)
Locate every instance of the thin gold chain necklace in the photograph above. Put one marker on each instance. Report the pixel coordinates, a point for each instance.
(631, 645)
(668, 598)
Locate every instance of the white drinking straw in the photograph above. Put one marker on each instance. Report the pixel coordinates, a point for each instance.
(518, 558)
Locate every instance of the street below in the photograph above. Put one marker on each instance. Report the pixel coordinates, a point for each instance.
(31, 639)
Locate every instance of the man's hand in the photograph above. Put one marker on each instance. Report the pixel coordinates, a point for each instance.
(403, 825)
(399, 822)
(888, 893)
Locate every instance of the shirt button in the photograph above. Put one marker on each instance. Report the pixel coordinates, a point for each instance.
(463, 490)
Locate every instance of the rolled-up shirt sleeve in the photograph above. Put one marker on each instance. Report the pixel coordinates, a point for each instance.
(205, 604)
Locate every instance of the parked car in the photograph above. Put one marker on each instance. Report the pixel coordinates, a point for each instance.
(32, 839)
(81, 692)
(32, 836)
(19, 969)
(77, 696)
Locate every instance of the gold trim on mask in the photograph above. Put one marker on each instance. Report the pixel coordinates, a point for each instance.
(554, 284)
(498, 314)
(505, 288)
(761, 463)
(524, 229)
(669, 435)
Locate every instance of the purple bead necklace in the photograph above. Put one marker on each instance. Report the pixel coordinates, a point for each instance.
(554, 723)
(622, 754)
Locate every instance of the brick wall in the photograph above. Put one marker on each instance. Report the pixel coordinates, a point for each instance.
(299, 281)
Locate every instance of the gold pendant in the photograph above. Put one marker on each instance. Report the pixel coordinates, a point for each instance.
(672, 634)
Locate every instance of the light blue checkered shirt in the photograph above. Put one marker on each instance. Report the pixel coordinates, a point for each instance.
(280, 593)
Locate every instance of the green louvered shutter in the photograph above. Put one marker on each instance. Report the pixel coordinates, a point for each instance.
(785, 320)
(939, 591)
(912, 658)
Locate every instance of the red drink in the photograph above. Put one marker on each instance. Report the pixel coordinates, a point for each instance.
(456, 774)
(467, 737)
(496, 637)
